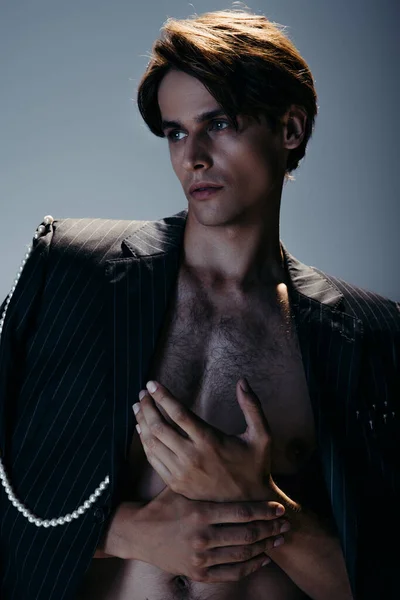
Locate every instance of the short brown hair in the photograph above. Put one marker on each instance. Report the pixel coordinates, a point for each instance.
(244, 60)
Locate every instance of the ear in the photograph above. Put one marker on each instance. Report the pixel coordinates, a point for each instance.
(293, 126)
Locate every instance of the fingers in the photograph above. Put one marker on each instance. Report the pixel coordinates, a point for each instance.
(235, 572)
(187, 420)
(157, 437)
(253, 412)
(242, 535)
(160, 437)
(239, 554)
(241, 512)
(234, 562)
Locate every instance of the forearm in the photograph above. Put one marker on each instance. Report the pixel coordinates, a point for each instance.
(312, 557)
(117, 541)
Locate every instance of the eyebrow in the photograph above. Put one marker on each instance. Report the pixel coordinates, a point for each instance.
(205, 116)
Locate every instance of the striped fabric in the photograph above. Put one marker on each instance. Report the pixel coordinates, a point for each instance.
(76, 347)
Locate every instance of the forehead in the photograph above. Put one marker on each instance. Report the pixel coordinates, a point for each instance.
(182, 96)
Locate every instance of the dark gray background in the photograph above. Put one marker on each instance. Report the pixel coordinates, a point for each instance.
(73, 143)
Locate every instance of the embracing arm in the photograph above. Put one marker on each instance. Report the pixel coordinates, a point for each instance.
(237, 468)
(311, 555)
(114, 541)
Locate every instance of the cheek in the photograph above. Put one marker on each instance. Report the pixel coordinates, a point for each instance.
(254, 166)
(176, 163)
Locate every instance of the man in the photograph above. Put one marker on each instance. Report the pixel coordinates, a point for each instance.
(195, 303)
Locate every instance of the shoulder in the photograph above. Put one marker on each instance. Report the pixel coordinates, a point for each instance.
(91, 239)
(377, 313)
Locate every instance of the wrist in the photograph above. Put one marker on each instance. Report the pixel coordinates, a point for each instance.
(275, 494)
(122, 537)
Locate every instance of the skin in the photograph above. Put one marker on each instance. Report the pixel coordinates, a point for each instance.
(207, 464)
(231, 241)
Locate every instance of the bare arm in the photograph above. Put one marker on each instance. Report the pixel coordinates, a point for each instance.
(312, 556)
(210, 465)
(178, 535)
(114, 541)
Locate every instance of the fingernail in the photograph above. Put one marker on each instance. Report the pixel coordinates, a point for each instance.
(141, 394)
(136, 408)
(266, 562)
(138, 428)
(278, 541)
(284, 527)
(244, 384)
(151, 386)
(279, 511)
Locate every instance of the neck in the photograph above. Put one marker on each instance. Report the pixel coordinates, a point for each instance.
(239, 256)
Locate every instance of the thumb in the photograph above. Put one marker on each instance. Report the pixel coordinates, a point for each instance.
(257, 424)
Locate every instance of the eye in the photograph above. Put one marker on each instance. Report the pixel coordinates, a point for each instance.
(172, 134)
(219, 121)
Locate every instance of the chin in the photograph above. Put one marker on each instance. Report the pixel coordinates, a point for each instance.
(213, 216)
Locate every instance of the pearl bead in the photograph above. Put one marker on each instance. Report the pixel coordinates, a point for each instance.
(48, 220)
(41, 229)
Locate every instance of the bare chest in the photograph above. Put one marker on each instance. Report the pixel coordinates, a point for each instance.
(200, 355)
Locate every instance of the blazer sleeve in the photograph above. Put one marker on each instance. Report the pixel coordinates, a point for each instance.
(20, 319)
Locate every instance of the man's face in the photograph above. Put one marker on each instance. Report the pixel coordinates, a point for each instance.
(248, 163)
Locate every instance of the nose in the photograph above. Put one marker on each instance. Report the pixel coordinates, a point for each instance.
(196, 154)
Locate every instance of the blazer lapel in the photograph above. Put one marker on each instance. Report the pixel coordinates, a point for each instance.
(138, 294)
(330, 342)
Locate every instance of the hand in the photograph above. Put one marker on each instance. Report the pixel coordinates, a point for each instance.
(205, 541)
(203, 463)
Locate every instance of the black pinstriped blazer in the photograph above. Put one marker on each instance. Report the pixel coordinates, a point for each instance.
(76, 346)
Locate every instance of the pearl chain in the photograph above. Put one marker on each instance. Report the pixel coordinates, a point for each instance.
(48, 220)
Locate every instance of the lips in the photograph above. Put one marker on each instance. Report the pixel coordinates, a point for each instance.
(202, 186)
(208, 192)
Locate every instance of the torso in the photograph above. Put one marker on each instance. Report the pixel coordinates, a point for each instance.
(204, 347)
